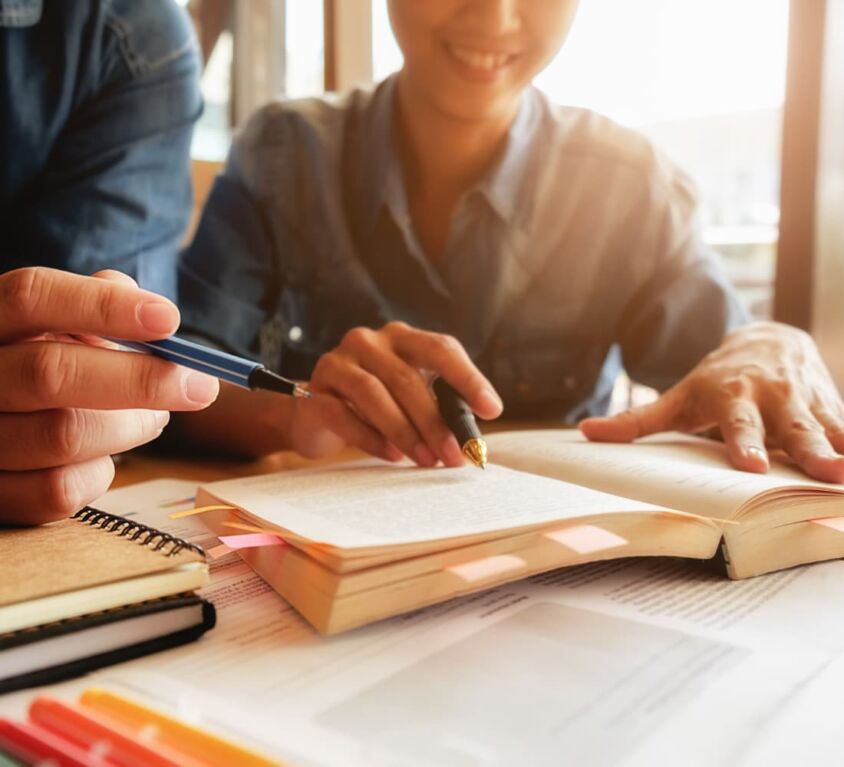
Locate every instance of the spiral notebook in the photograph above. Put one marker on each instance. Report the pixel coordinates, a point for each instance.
(94, 590)
(91, 562)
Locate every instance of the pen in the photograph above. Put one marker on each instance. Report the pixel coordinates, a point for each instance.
(198, 744)
(459, 417)
(33, 745)
(226, 367)
(96, 736)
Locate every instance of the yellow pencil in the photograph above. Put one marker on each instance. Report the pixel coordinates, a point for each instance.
(169, 732)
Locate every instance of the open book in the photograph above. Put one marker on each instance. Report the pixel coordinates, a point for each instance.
(367, 540)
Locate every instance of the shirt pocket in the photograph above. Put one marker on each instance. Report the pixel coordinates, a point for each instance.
(308, 323)
(540, 379)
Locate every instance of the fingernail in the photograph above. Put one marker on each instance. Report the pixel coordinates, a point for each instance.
(423, 455)
(756, 452)
(451, 453)
(393, 454)
(162, 418)
(200, 388)
(491, 400)
(158, 317)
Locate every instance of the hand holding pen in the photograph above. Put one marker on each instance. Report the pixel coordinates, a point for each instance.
(373, 392)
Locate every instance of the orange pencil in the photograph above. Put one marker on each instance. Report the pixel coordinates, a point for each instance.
(91, 733)
(172, 733)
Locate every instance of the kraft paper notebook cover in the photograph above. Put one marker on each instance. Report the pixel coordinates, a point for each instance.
(369, 540)
(91, 562)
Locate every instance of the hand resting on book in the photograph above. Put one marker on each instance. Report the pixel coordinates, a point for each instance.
(68, 400)
(766, 385)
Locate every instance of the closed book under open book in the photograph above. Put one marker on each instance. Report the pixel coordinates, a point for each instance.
(368, 540)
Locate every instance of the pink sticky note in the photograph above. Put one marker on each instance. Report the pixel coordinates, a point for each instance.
(488, 567)
(251, 540)
(836, 523)
(585, 539)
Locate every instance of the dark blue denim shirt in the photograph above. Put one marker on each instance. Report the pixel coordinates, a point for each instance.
(578, 252)
(97, 104)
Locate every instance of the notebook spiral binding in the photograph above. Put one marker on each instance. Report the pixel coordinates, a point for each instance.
(135, 531)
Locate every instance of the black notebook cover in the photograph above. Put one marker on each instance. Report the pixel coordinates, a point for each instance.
(61, 672)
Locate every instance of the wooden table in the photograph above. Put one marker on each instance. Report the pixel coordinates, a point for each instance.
(139, 467)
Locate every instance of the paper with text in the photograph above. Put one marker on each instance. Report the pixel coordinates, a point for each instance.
(373, 504)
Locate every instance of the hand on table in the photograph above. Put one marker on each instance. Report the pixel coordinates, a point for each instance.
(69, 400)
(765, 385)
(371, 392)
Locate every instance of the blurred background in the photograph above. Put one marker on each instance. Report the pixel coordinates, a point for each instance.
(746, 95)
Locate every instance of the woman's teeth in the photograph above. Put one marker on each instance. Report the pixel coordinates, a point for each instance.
(479, 59)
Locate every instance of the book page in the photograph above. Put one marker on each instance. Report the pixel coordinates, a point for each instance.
(674, 470)
(367, 503)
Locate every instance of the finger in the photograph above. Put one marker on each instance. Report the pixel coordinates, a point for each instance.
(114, 276)
(36, 497)
(801, 435)
(324, 413)
(445, 356)
(833, 425)
(46, 375)
(373, 404)
(67, 436)
(743, 432)
(38, 300)
(661, 415)
(407, 387)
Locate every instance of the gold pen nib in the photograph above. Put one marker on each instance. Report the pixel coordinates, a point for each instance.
(475, 451)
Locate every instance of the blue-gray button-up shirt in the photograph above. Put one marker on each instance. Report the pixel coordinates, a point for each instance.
(577, 253)
(97, 104)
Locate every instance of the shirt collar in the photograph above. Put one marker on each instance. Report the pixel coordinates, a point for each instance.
(501, 186)
(20, 13)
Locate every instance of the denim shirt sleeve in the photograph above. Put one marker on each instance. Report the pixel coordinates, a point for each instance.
(116, 190)
(227, 277)
(688, 305)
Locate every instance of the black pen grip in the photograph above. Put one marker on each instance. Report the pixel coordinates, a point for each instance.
(455, 412)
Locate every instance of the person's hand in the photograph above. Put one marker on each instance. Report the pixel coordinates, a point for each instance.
(372, 392)
(765, 385)
(68, 400)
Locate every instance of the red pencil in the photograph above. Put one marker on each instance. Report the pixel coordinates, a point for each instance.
(97, 735)
(33, 744)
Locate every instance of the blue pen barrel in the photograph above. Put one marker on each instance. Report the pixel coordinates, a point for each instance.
(222, 365)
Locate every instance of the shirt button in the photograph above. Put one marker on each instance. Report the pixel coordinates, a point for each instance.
(295, 334)
(570, 382)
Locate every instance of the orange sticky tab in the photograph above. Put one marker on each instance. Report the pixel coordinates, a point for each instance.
(215, 552)
(836, 523)
(251, 540)
(586, 539)
(488, 567)
(200, 510)
(245, 526)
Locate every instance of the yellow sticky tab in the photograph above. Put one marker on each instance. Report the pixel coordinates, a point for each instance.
(200, 510)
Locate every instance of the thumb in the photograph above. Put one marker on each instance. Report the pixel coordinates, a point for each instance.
(112, 275)
(636, 422)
